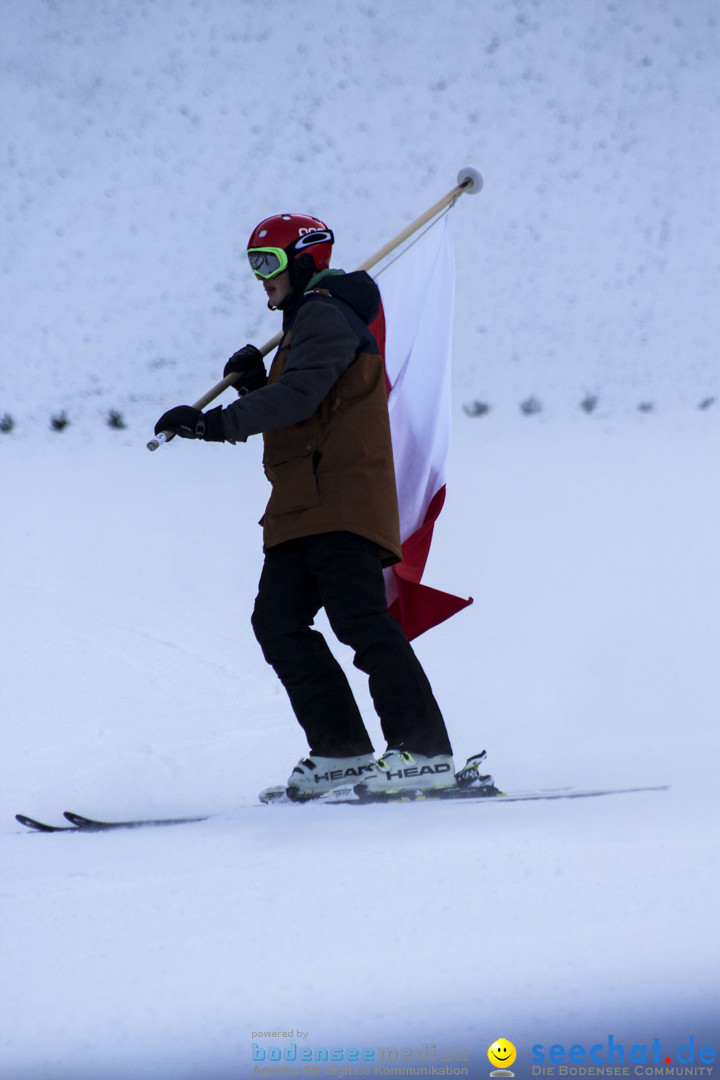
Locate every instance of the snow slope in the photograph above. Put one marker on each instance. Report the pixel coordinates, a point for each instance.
(143, 142)
(132, 685)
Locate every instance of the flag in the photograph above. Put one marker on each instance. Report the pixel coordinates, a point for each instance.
(415, 322)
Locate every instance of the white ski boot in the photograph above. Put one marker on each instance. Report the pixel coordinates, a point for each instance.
(313, 775)
(399, 770)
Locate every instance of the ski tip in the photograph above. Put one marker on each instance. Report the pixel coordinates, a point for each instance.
(80, 821)
(40, 826)
(30, 823)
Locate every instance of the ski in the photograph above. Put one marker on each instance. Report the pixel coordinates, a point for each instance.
(355, 796)
(468, 778)
(80, 823)
(349, 796)
(470, 783)
(342, 796)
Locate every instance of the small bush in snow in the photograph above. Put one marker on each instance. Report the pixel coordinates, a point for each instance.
(116, 420)
(60, 421)
(477, 408)
(530, 406)
(6, 423)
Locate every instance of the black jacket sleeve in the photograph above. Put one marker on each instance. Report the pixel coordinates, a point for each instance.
(323, 346)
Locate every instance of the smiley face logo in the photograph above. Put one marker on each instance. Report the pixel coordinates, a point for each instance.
(502, 1054)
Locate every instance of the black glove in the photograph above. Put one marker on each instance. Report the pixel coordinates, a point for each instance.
(190, 423)
(248, 362)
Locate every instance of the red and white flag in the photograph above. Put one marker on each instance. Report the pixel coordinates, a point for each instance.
(418, 292)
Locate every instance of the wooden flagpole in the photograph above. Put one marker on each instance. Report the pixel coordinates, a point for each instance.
(469, 181)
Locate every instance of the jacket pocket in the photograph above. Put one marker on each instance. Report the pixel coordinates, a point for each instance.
(294, 484)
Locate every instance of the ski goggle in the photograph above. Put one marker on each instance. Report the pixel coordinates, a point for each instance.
(268, 262)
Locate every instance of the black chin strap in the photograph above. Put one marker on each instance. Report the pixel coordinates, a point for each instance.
(300, 272)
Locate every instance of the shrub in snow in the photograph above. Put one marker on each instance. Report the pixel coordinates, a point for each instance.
(589, 403)
(116, 420)
(530, 406)
(60, 421)
(477, 408)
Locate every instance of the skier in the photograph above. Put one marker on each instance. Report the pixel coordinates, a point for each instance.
(331, 523)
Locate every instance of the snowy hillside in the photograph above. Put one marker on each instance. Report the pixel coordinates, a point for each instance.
(142, 141)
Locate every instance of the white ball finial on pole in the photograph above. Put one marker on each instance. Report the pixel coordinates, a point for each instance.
(476, 180)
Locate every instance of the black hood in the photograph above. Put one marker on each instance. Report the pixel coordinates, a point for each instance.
(356, 289)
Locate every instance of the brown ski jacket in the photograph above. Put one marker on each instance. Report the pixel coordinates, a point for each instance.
(324, 419)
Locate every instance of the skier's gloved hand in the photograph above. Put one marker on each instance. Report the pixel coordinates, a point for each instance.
(248, 362)
(190, 423)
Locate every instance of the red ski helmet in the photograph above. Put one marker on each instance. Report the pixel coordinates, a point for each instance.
(296, 241)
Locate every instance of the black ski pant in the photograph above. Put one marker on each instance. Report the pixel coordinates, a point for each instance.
(341, 572)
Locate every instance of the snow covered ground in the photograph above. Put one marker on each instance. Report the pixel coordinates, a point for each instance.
(132, 685)
(143, 142)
